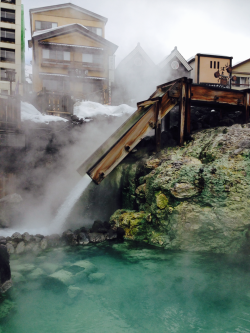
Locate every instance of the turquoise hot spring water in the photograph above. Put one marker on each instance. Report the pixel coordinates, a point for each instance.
(128, 287)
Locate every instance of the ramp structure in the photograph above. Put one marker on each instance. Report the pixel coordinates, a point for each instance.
(149, 116)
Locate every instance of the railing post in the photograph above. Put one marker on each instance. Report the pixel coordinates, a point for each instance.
(158, 125)
(247, 105)
(182, 111)
(188, 109)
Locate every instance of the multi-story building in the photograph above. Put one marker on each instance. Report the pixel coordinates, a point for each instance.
(206, 65)
(241, 71)
(70, 56)
(12, 44)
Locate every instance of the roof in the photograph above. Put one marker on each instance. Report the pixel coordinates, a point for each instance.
(175, 53)
(73, 45)
(240, 63)
(67, 76)
(137, 50)
(69, 5)
(191, 59)
(74, 27)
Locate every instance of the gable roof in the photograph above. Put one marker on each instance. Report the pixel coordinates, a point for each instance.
(69, 5)
(74, 27)
(240, 63)
(175, 53)
(137, 50)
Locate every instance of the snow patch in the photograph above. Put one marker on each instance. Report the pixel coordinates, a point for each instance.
(29, 112)
(91, 110)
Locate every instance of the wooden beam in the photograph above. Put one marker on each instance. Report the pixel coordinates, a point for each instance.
(158, 125)
(215, 95)
(123, 146)
(188, 108)
(247, 106)
(116, 136)
(182, 112)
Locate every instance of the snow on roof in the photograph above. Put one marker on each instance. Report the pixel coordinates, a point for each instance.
(175, 53)
(29, 112)
(87, 109)
(67, 76)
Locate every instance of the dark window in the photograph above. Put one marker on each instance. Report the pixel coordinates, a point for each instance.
(8, 15)
(214, 64)
(97, 31)
(43, 25)
(7, 35)
(7, 55)
(3, 74)
(218, 65)
(13, 2)
(211, 64)
(237, 83)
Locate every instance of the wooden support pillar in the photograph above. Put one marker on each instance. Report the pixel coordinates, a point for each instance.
(188, 108)
(247, 106)
(182, 112)
(158, 125)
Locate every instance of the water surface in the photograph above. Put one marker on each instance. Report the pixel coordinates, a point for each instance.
(145, 290)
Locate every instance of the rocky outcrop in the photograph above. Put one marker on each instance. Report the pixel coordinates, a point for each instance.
(193, 198)
(5, 273)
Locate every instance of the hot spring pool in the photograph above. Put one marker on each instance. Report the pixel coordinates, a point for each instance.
(127, 287)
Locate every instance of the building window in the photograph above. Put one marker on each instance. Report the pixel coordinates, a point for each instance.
(56, 85)
(211, 64)
(92, 58)
(13, 2)
(7, 35)
(218, 65)
(214, 64)
(4, 74)
(8, 15)
(97, 31)
(7, 55)
(56, 55)
(43, 25)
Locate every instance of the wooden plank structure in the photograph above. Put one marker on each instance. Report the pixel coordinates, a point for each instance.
(149, 116)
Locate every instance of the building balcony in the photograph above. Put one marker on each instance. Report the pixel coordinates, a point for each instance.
(11, 2)
(71, 64)
(8, 18)
(240, 85)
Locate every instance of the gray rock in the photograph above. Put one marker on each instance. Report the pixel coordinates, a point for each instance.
(10, 248)
(44, 244)
(69, 237)
(82, 239)
(184, 190)
(17, 237)
(63, 277)
(26, 237)
(17, 277)
(3, 240)
(111, 234)
(85, 265)
(20, 248)
(97, 225)
(73, 292)
(53, 240)
(5, 273)
(96, 237)
(97, 277)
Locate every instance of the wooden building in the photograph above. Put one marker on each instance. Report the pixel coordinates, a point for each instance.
(242, 72)
(135, 77)
(71, 57)
(173, 67)
(206, 65)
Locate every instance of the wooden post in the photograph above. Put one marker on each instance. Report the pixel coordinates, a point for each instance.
(247, 105)
(188, 108)
(158, 125)
(182, 111)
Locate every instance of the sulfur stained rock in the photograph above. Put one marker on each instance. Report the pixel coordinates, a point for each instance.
(196, 198)
(183, 190)
(161, 201)
(152, 163)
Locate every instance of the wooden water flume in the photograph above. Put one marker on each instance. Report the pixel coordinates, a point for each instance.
(150, 114)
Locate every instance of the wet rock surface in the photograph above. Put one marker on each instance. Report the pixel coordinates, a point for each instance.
(195, 197)
(5, 273)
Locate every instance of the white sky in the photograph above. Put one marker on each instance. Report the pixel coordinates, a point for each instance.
(194, 26)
